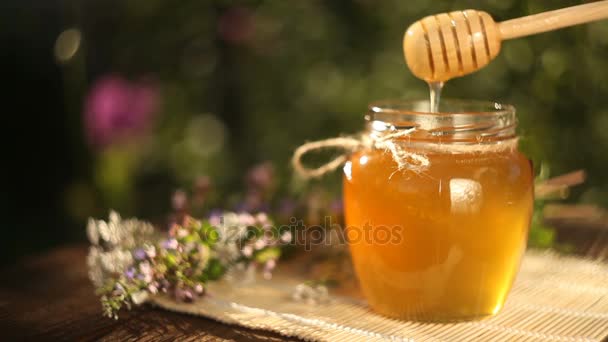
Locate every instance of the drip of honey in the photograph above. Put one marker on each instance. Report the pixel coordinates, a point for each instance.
(435, 89)
(445, 243)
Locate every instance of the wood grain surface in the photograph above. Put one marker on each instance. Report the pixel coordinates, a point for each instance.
(49, 297)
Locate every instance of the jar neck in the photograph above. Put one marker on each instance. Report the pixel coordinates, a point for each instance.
(458, 122)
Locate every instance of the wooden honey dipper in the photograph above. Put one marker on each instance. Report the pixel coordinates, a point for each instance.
(440, 47)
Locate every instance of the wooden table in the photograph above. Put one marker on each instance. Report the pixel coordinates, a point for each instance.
(49, 297)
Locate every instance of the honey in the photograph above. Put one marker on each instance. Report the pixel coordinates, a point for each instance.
(444, 243)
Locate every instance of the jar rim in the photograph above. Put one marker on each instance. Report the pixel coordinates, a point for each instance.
(458, 121)
(465, 107)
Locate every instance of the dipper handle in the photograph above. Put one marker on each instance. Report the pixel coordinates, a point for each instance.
(553, 20)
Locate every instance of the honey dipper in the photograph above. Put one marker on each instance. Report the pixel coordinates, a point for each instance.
(440, 47)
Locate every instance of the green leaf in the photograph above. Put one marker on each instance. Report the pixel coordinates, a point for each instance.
(213, 271)
(209, 234)
(541, 236)
(189, 238)
(170, 260)
(267, 254)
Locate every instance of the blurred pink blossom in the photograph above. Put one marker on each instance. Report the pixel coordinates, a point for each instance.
(261, 177)
(117, 110)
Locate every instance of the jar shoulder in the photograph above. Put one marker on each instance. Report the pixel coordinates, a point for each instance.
(502, 167)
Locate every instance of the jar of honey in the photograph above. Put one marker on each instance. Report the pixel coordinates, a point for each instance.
(438, 235)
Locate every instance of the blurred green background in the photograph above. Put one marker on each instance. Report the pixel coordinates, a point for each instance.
(116, 104)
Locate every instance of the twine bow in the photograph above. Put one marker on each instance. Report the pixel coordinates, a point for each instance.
(403, 159)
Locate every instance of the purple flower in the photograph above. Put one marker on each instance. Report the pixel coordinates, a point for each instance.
(179, 201)
(268, 267)
(139, 254)
(287, 207)
(270, 264)
(117, 109)
(262, 218)
(254, 201)
(163, 284)
(118, 289)
(170, 244)
(336, 207)
(247, 251)
(215, 217)
(184, 295)
(146, 273)
(151, 252)
(286, 237)
(246, 219)
(261, 176)
(188, 296)
(130, 273)
(259, 244)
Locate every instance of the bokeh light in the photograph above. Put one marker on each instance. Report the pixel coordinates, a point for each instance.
(67, 45)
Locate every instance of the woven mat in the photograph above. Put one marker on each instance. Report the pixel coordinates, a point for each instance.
(554, 299)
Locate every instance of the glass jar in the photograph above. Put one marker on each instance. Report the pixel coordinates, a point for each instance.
(441, 238)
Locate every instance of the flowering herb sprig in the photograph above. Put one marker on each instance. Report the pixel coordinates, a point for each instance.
(128, 264)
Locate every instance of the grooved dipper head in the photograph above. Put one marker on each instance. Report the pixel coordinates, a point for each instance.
(440, 47)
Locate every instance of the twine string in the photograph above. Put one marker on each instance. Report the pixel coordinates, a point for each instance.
(348, 144)
(403, 158)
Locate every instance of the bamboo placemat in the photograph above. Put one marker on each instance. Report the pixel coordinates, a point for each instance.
(554, 299)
